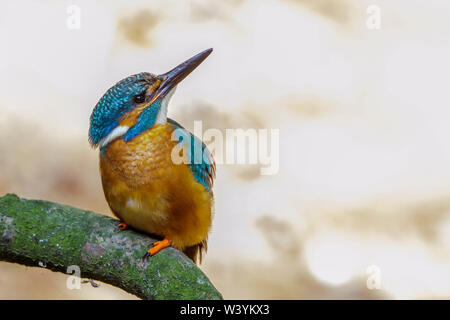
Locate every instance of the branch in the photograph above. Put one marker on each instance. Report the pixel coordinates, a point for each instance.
(41, 233)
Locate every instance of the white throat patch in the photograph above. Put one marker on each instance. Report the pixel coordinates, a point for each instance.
(162, 115)
(117, 132)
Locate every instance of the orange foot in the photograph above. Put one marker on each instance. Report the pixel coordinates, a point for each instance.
(156, 247)
(123, 226)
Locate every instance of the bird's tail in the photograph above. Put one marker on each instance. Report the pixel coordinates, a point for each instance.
(195, 252)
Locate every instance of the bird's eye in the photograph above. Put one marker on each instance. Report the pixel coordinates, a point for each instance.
(139, 98)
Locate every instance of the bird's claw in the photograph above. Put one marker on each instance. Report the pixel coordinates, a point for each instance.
(145, 256)
(156, 247)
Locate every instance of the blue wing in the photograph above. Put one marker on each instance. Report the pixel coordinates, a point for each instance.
(201, 162)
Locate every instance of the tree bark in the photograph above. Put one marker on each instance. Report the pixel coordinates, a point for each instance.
(46, 234)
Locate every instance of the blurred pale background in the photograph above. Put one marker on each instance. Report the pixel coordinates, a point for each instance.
(364, 179)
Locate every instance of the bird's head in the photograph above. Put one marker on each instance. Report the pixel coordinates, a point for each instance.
(137, 103)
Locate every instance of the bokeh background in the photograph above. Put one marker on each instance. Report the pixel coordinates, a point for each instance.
(364, 179)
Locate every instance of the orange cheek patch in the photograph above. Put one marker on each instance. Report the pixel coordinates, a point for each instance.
(154, 86)
(152, 89)
(130, 118)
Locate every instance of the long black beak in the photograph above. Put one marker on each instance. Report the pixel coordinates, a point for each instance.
(176, 75)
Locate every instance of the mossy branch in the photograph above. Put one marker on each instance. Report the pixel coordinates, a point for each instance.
(41, 233)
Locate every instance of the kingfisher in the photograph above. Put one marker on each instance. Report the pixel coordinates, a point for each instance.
(146, 185)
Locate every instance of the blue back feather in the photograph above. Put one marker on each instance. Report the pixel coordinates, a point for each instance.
(201, 162)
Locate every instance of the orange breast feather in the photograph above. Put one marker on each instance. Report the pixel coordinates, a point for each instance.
(146, 190)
